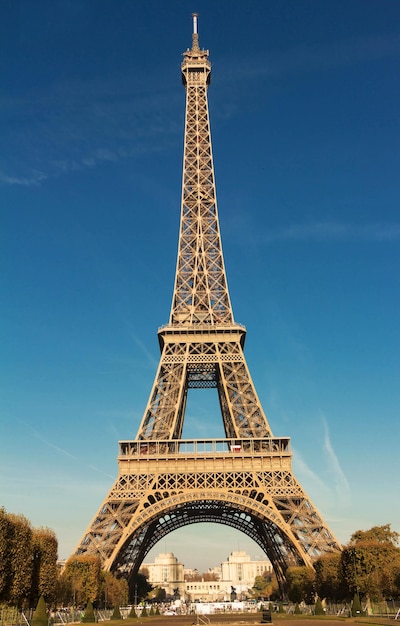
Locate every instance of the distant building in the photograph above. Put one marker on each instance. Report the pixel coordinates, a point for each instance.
(204, 591)
(236, 574)
(167, 573)
(239, 572)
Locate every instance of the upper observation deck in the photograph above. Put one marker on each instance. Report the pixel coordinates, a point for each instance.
(201, 448)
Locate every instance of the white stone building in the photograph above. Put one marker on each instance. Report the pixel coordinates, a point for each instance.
(166, 573)
(237, 572)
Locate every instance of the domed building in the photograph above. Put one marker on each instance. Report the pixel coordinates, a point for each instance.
(167, 573)
(238, 572)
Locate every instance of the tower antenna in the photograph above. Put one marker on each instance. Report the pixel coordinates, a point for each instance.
(195, 38)
(195, 16)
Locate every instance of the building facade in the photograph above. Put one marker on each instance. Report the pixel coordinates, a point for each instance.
(167, 573)
(239, 572)
(235, 576)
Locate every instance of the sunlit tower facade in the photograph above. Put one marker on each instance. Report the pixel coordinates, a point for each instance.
(244, 480)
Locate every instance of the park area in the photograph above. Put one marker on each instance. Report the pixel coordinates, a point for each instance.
(255, 618)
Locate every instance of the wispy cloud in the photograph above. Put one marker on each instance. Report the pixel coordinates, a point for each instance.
(62, 451)
(312, 478)
(33, 179)
(46, 441)
(150, 358)
(334, 231)
(309, 58)
(317, 231)
(340, 481)
(97, 469)
(72, 125)
(329, 484)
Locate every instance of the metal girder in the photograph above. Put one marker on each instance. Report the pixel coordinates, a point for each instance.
(213, 360)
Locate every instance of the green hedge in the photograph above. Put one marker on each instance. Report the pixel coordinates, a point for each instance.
(40, 617)
(89, 614)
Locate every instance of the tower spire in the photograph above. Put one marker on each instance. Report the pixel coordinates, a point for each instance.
(195, 36)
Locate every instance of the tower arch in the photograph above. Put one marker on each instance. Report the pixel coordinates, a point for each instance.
(257, 520)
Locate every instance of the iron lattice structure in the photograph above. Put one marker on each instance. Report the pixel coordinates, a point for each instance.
(245, 480)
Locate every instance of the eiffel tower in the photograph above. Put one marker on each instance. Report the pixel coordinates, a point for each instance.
(244, 480)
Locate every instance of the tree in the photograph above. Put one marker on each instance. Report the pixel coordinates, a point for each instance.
(258, 587)
(28, 561)
(44, 564)
(158, 594)
(319, 610)
(152, 595)
(194, 576)
(390, 579)
(82, 577)
(328, 581)
(370, 562)
(89, 616)
(139, 587)
(301, 584)
(356, 606)
(379, 534)
(265, 586)
(6, 535)
(209, 576)
(396, 581)
(113, 590)
(20, 559)
(144, 571)
(40, 617)
(116, 613)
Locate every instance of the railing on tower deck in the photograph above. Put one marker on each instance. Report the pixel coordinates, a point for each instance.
(186, 325)
(275, 446)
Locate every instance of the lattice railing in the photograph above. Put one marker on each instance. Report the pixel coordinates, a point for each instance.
(271, 446)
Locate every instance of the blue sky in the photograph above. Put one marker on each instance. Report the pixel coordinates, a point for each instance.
(304, 113)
